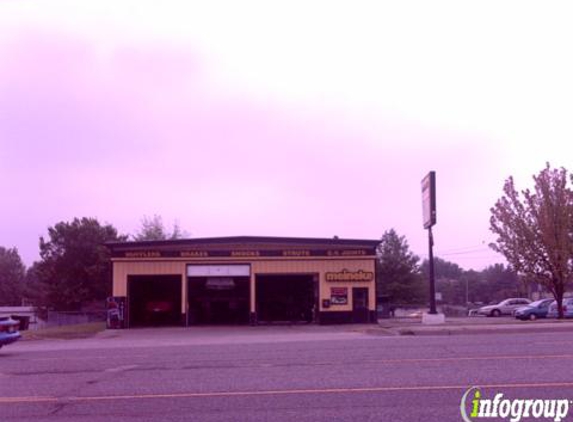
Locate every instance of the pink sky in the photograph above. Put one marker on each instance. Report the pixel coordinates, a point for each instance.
(313, 121)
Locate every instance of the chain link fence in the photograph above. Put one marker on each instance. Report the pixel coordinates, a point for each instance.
(59, 318)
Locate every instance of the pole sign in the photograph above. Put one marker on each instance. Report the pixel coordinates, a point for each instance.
(429, 199)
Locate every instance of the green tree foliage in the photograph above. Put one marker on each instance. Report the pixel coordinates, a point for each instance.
(152, 228)
(448, 277)
(75, 267)
(12, 272)
(474, 289)
(534, 230)
(459, 286)
(442, 269)
(398, 273)
(500, 282)
(35, 291)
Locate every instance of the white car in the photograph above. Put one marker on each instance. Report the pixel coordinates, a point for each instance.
(505, 307)
(567, 308)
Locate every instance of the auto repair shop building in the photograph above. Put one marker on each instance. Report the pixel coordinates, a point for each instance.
(242, 280)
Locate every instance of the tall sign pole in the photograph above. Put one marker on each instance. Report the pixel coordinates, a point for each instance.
(432, 277)
(429, 214)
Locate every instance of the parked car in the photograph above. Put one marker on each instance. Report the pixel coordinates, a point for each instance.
(534, 310)
(8, 331)
(505, 307)
(567, 308)
(158, 311)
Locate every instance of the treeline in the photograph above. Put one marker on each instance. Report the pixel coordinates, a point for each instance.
(533, 231)
(74, 268)
(403, 279)
(461, 287)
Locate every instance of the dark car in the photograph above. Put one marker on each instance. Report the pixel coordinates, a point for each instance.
(8, 331)
(534, 310)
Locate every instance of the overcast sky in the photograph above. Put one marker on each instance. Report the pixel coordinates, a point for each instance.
(298, 118)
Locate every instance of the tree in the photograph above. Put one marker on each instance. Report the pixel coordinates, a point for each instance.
(501, 282)
(36, 291)
(442, 269)
(75, 264)
(534, 230)
(12, 272)
(448, 277)
(154, 229)
(398, 272)
(474, 287)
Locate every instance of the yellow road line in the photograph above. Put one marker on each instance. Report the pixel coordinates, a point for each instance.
(216, 394)
(406, 360)
(471, 358)
(33, 399)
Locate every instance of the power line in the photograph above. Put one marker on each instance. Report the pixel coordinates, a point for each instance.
(463, 248)
(467, 252)
(466, 249)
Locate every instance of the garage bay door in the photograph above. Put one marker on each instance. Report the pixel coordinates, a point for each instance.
(154, 300)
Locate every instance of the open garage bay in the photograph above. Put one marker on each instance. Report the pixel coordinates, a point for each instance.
(154, 300)
(286, 298)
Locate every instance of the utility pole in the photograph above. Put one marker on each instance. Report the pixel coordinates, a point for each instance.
(467, 292)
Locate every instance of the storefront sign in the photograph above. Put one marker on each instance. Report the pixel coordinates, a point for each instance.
(244, 253)
(346, 275)
(194, 254)
(429, 199)
(339, 295)
(352, 252)
(218, 270)
(143, 254)
(220, 283)
(296, 253)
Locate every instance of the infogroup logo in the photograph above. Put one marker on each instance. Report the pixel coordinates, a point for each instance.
(474, 406)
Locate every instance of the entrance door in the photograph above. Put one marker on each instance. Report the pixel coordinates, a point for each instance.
(360, 304)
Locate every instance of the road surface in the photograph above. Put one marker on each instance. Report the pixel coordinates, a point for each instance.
(274, 374)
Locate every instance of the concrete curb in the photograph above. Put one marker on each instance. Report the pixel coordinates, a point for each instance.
(468, 330)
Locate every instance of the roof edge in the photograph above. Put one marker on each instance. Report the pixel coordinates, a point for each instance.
(246, 239)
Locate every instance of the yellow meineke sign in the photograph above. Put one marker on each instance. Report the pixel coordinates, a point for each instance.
(346, 275)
